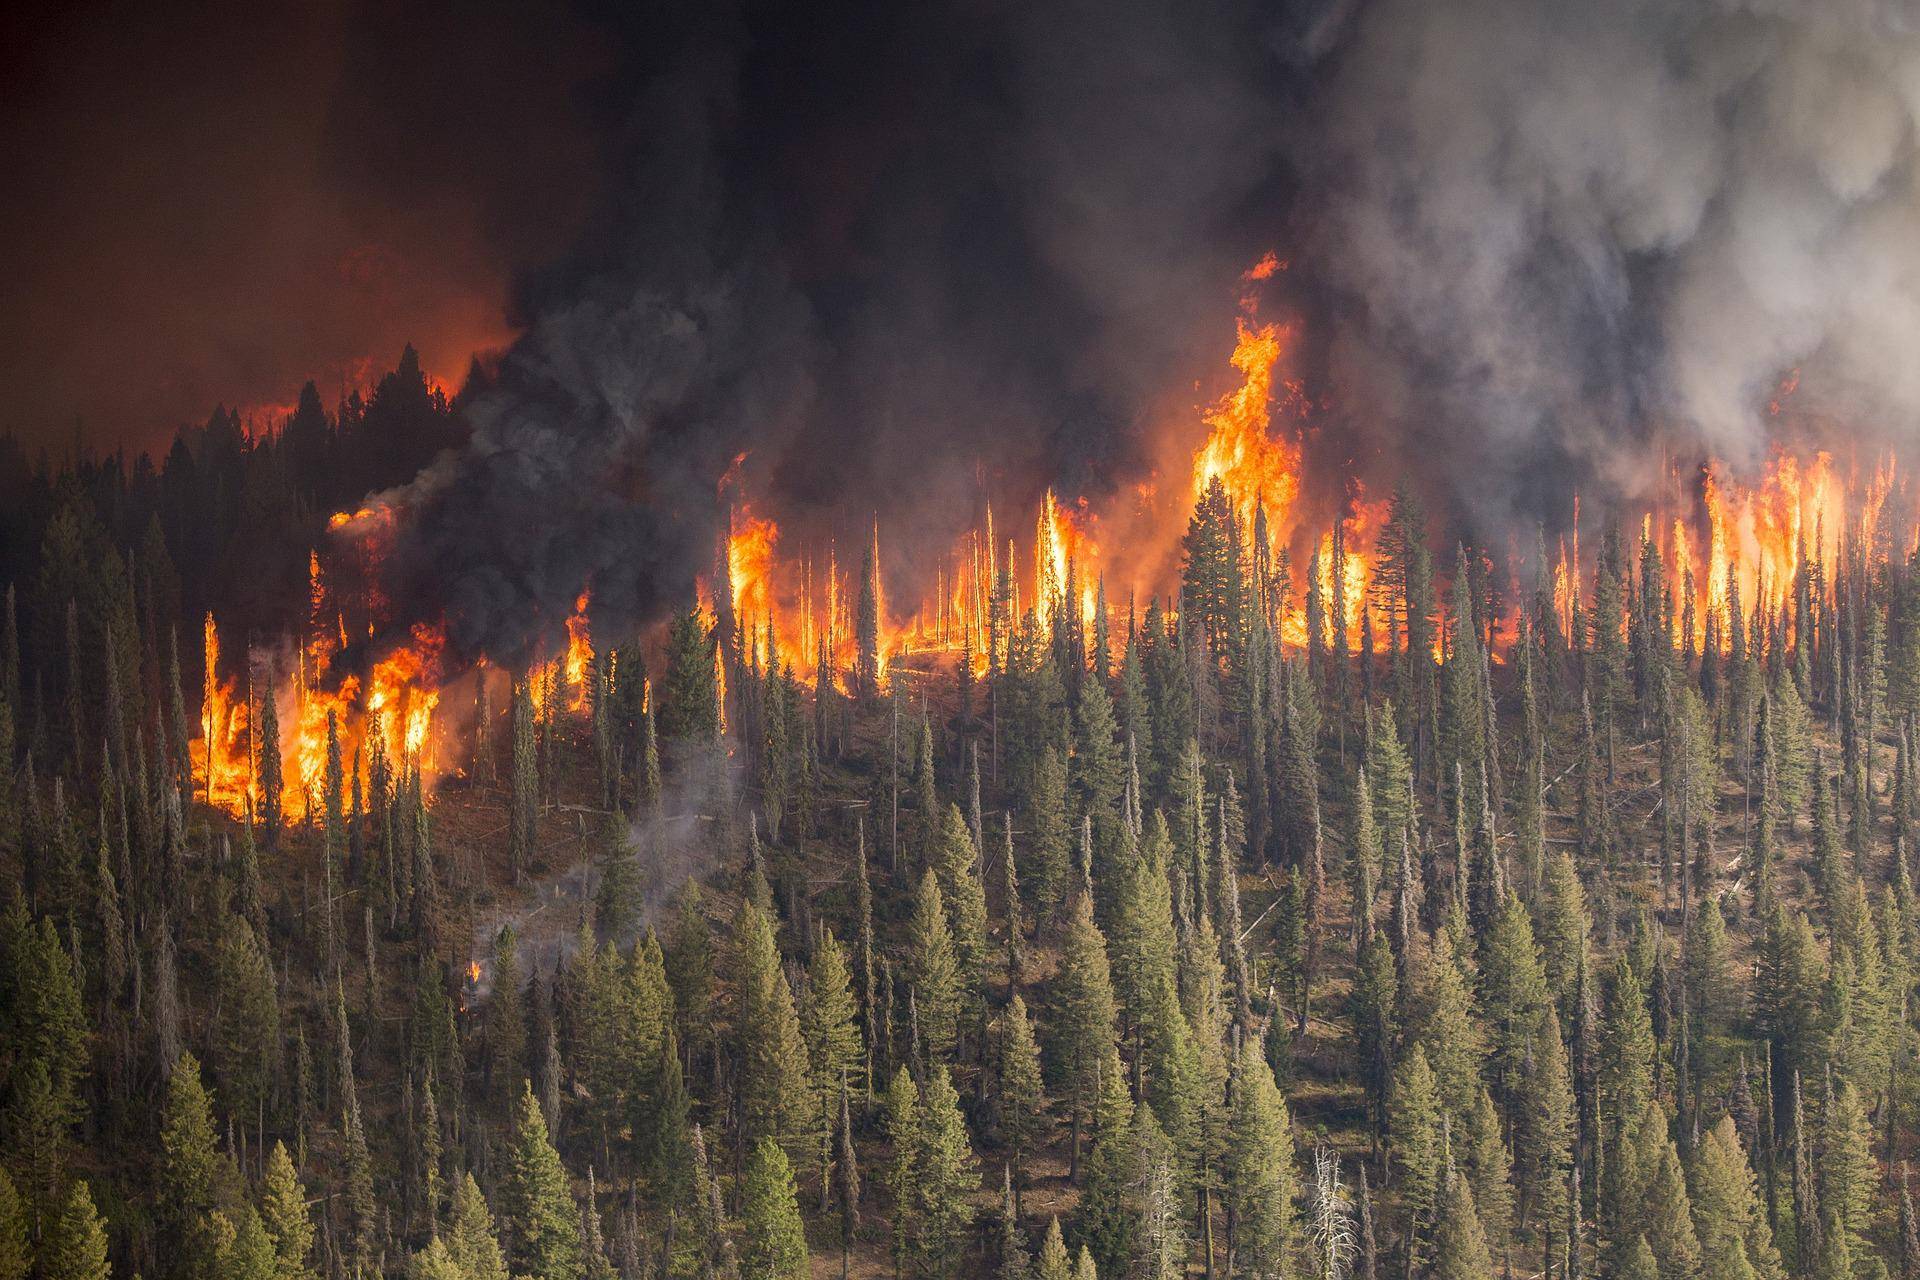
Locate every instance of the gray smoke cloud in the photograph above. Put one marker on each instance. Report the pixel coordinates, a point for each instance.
(1554, 233)
(908, 264)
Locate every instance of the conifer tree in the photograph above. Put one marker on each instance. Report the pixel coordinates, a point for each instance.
(847, 1184)
(1023, 1100)
(523, 794)
(268, 770)
(283, 1213)
(1459, 1243)
(1736, 1241)
(1848, 1172)
(1544, 1124)
(901, 1121)
(1414, 1121)
(1084, 1016)
(16, 1253)
(1053, 1262)
(248, 1019)
(189, 1163)
(75, 1244)
(542, 1226)
(1489, 1168)
(773, 1241)
(932, 971)
(1108, 1215)
(1260, 1179)
(1045, 874)
(832, 1038)
(945, 1176)
(957, 860)
(775, 1097)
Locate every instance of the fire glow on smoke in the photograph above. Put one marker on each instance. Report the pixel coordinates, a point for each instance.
(1725, 540)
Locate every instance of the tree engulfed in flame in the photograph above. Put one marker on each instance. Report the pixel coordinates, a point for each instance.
(1759, 541)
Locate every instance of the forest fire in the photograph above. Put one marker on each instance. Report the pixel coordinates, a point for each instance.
(1726, 540)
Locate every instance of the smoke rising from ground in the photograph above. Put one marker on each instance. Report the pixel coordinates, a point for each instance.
(907, 262)
(1555, 233)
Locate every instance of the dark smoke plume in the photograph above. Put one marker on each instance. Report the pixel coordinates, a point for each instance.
(907, 261)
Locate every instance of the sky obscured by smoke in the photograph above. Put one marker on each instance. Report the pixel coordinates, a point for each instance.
(904, 256)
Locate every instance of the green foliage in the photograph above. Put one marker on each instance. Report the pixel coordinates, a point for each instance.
(542, 1227)
(945, 1175)
(1260, 1177)
(773, 1240)
(75, 1245)
(284, 1215)
(775, 1093)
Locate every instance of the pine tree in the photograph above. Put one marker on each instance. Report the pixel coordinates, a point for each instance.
(945, 1176)
(283, 1211)
(75, 1245)
(1084, 1016)
(1489, 1168)
(1414, 1121)
(847, 1184)
(1848, 1173)
(1260, 1179)
(1161, 1251)
(1045, 874)
(1108, 1215)
(1544, 1126)
(1053, 1263)
(901, 1120)
(1442, 1019)
(248, 1018)
(189, 1163)
(832, 1039)
(1459, 1244)
(268, 770)
(775, 1097)
(774, 1243)
(47, 1022)
(932, 971)
(16, 1255)
(957, 861)
(542, 1226)
(1023, 1100)
(1736, 1241)
(523, 792)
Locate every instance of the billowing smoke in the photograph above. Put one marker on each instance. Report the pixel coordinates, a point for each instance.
(908, 262)
(1554, 234)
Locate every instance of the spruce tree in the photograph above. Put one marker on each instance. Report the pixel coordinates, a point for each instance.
(932, 971)
(16, 1253)
(189, 1165)
(900, 1116)
(1848, 1173)
(1023, 1101)
(1084, 1016)
(283, 1212)
(523, 792)
(1736, 1240)
(542, 1227)
(832, 1038)
(773, 1240)
(1459, 1243)
(775, 1094)
(1053, 1262)
(1260, 1179)
(945, 1176)
(75, 1244)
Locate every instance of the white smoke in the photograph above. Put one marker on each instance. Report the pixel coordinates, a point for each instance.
(1557, 229)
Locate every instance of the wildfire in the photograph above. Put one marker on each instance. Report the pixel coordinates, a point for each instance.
(579, 659)
(1260, 472)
